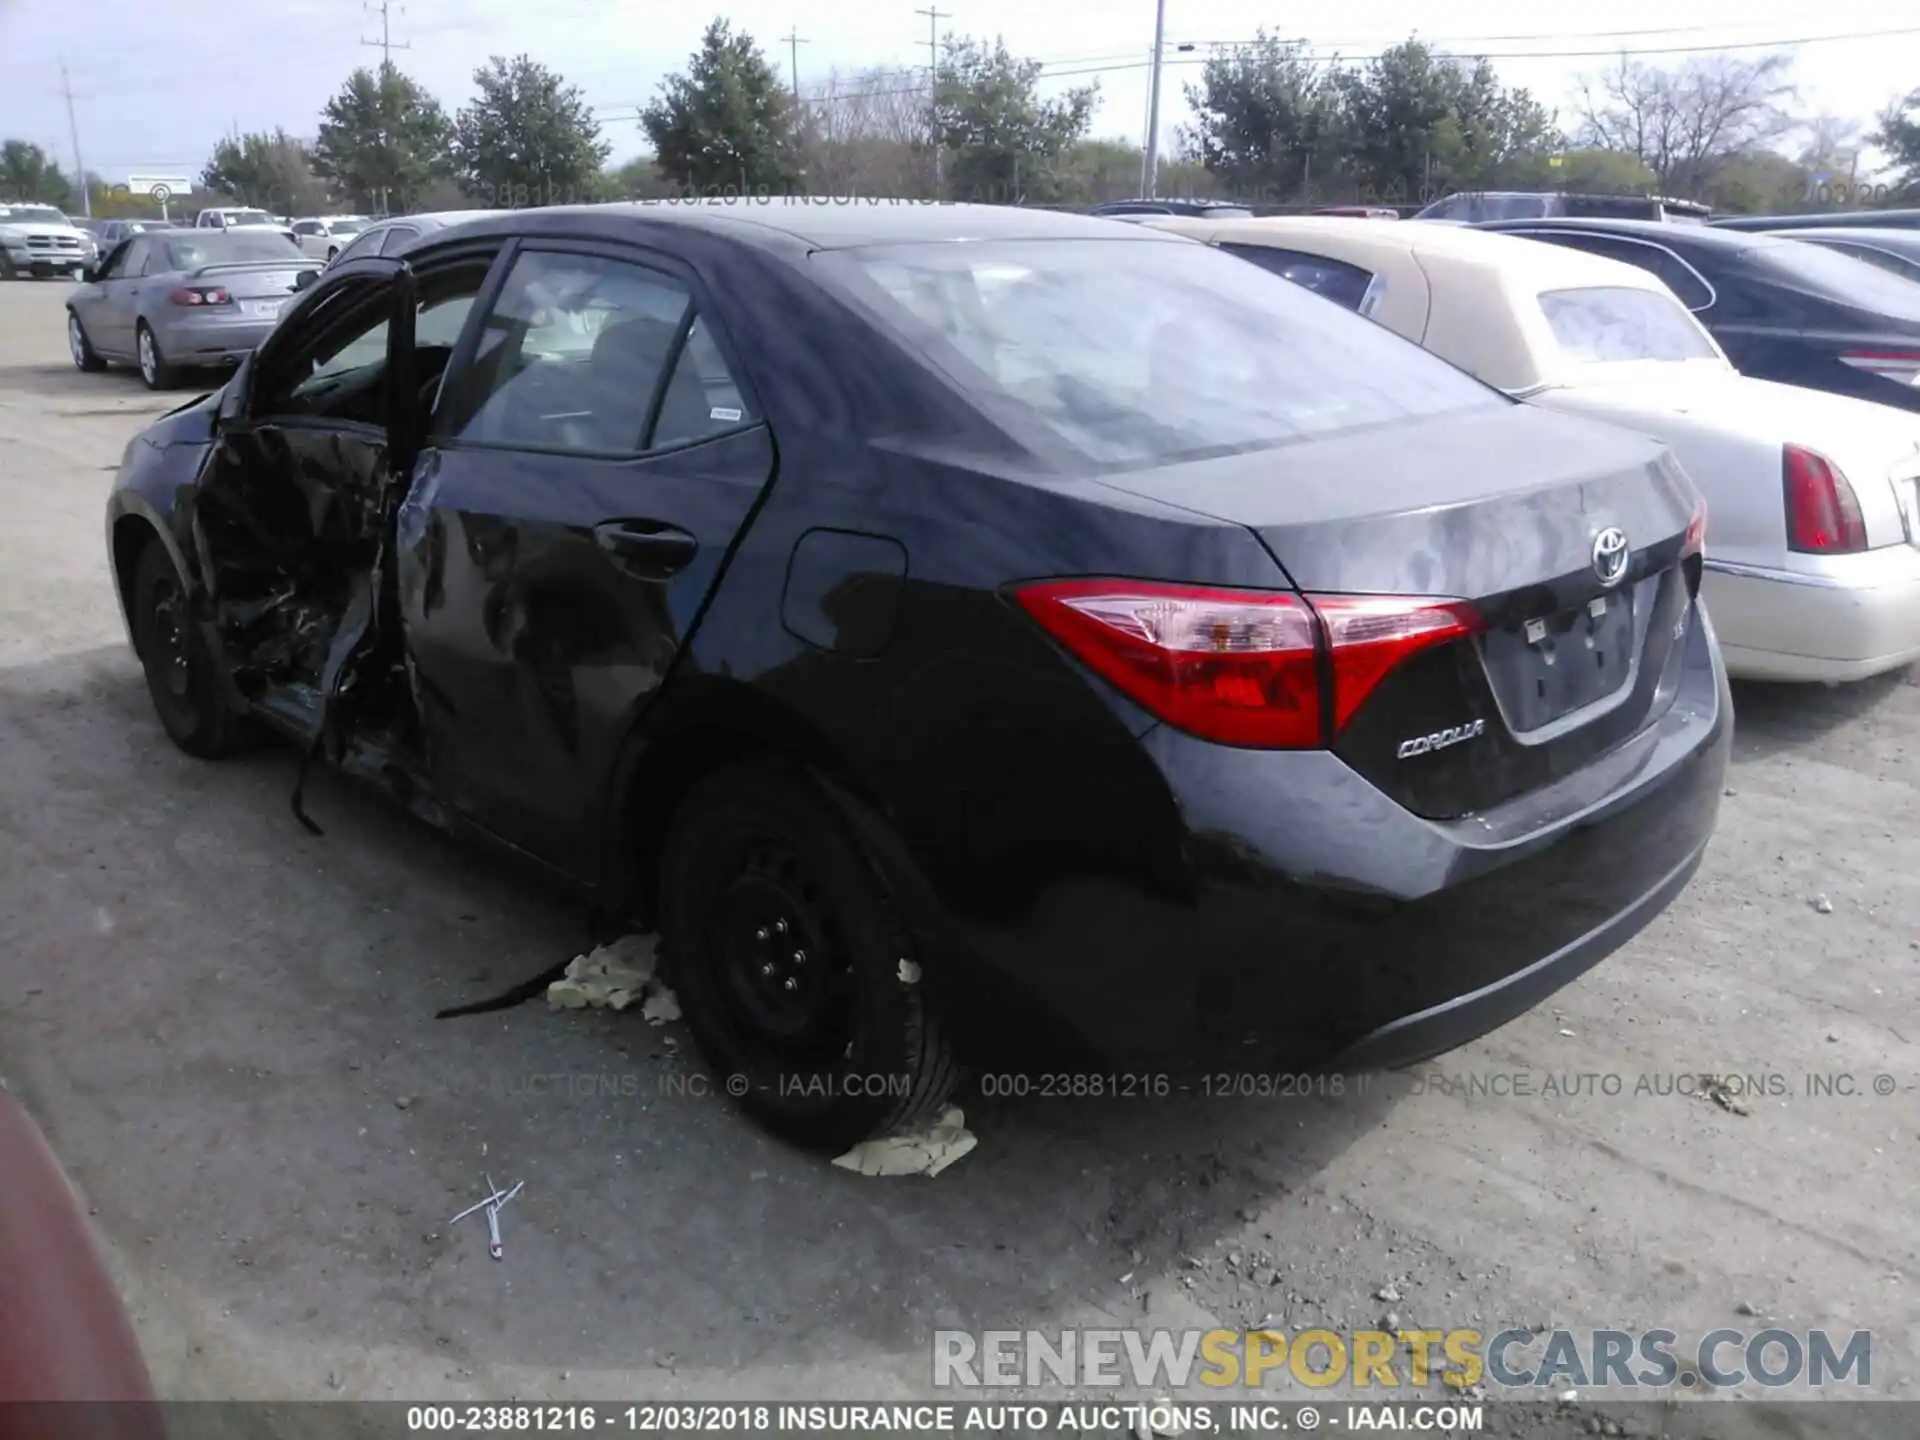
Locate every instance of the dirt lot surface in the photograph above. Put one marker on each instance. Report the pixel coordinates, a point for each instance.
(225, 1026)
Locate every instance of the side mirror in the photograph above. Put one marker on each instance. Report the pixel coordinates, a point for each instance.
(90, 272)
(305, 280)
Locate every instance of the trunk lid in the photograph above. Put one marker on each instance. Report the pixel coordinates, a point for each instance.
(254, 279)
(1504, 509)
(1876, 447)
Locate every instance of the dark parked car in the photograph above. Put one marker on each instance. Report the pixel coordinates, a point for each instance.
(1781, 309)
(1209, 209)
(394, 233)
(1478, 206)
(1869, 219)
(937, 616)
(1895, 251)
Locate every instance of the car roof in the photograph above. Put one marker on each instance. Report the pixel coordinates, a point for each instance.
(818, 223)
(1865, 234)
(1461, 246)
(1470, 296)
(1702, 237)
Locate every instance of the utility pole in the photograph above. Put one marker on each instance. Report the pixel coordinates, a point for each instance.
(386, 45)
(73, 129)
(794, 42)
(1150, 162)
(934, 16)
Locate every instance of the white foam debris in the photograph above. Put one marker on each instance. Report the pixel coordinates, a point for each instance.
(611, 977)
(662, 1005)
(927, 1151)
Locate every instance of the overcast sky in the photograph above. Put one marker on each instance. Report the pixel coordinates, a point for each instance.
(157, 82)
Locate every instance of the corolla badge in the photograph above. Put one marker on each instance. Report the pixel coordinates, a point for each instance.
(1440, 739)
(1610, 555)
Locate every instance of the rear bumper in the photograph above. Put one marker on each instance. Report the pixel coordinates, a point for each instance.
(44, 266)
(1316, 924)
(212, 342)
(1860, 618)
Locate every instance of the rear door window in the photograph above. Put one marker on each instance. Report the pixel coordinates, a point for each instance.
(573, 354)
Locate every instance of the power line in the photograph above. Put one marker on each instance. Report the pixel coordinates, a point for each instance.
(1325, 56)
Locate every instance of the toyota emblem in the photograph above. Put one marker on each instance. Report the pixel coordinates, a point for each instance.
(1610, 555)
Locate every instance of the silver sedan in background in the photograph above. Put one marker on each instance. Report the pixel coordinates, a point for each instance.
(170, 301)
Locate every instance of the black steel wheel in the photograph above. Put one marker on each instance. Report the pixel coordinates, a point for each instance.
(180, 673)
(798, 977)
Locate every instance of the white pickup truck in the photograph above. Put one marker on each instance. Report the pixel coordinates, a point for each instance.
(41, 240)
(241, 218)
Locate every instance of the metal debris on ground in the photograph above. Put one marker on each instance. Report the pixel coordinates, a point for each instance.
(920, 1152)
(612, 977)
(496, 1198)
(1717, 1089)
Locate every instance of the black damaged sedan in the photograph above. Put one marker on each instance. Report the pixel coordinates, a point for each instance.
(952, 623)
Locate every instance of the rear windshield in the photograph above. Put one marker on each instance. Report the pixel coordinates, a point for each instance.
(228, 248)
(1136, 352)
(1605, 324)
(1839, 277)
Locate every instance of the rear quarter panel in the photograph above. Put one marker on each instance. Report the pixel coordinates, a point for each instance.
(1738, 472)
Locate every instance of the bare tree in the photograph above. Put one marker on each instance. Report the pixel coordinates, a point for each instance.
(867, 134)
(1831, 155)
(1683, 123)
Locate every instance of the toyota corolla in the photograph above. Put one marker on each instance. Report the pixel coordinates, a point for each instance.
(926, 615)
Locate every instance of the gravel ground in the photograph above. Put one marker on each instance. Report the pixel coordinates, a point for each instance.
(225, 1026)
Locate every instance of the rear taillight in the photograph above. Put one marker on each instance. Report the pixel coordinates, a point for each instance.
(1696, 541)
(200, 295)
(1241, 667)
(1823, 514)
(1900, 366)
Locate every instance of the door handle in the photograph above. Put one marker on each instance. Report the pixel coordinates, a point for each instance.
(647, 547)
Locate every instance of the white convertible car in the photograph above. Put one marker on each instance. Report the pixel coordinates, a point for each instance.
(1813, 540)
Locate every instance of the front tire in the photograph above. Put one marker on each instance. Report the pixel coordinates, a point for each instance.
(85, 358)
(154, 367)
(795, 971)
(173, 653)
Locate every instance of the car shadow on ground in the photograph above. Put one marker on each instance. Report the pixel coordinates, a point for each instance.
(1772, 719)
(265, 1059)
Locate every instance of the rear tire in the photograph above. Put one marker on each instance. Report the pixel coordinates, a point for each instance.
(85, 358)
(785, 949)
(180, 673)
(154, 367)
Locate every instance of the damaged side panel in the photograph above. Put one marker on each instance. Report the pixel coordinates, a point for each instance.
(547, 600)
